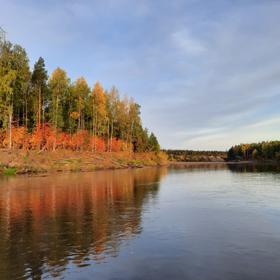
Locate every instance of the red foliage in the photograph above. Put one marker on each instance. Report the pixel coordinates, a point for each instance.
(100, 145)
(50, 138)
(79, 140)
(97, 144)
(20, 138)
(2, 137)
(47, 138)
(117, 145)
(36, 138)
(63, 140)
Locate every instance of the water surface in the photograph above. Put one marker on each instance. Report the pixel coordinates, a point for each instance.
(200, 222)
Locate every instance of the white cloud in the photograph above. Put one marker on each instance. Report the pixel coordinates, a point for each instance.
(202, 72)
(187, 43)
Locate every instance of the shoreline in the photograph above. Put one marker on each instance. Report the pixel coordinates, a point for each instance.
(32, 162)
(207, 162)
(226, 162)
(222, 163)
(17, 162)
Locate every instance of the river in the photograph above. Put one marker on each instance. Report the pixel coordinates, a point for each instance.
(195, 222)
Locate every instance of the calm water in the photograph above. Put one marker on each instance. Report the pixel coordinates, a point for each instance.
(201, 222)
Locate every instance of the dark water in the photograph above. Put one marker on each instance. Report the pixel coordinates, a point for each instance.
(200, 222)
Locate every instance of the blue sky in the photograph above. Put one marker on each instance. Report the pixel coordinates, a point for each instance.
(206, 73)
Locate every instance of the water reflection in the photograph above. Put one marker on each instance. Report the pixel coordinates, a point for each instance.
(255, 167)
(232, 166)
(183, 167)
(46, 223)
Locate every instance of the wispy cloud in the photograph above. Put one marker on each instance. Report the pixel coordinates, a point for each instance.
(204, 71)
(187, 43)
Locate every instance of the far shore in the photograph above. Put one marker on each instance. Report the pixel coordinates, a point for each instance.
(207, 162)
(192, 163)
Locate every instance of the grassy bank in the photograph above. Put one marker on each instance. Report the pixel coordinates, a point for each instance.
(21, 161)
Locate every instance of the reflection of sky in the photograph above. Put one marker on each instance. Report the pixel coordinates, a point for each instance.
(206, 224)
(207, 69)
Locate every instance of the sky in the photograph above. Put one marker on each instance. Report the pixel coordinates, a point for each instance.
(206, 73)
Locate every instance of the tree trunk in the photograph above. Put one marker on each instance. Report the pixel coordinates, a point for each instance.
(131, 132)
(93, 126)
(111, 140)
(10, 126)
(79, 121)
(26, 120)
(95, 131)
(43, 112)
(108, 136)
(56, 116)
(39, 108)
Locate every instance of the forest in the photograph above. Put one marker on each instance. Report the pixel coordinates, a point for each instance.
(269, 150)
(195, 156)
(49, 112)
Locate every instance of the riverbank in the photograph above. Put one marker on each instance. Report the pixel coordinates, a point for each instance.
(259, 166)
(22, 162)
(196, 156)
(187, 163)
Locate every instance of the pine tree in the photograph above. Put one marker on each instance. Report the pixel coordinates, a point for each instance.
(39, 83)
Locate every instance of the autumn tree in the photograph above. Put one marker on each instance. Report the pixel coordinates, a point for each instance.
(21, 85)
(99, 113)
(134, 121)
(44, 114)
(80, 91)
(59, 85)
(39, 83)
(7, 79)
(122, 121)
(255, 151)
(14, 79)
(112, 109)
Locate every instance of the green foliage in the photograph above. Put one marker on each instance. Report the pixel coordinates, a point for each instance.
(153, 143)
(9, 171)
(255, 151)
(59, 86)
(195, 156)
(33, 100)
(8, 77)
(40, 92)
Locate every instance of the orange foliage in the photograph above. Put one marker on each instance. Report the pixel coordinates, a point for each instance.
(20, 138)
(74, 115)
(47, 138)
(2, 137)
(97, 144)
(63, 140)
(50, 139)
(117, 145)
(79, 140)
(36, 138)
(100, 145)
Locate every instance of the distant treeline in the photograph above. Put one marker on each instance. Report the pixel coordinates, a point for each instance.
(38, 111)
(255, 151)
(190, 155)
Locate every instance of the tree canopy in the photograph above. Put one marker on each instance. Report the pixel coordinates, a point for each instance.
(255, 151)
(49, 112)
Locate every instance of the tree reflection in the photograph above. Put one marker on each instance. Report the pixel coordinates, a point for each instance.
(49, 222)
(255, 167)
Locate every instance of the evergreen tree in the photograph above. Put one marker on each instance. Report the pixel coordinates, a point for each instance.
(28, 100)
(153, 143)
(39, 84)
